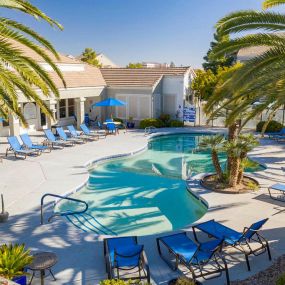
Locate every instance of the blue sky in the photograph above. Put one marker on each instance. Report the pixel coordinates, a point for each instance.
(136, 30)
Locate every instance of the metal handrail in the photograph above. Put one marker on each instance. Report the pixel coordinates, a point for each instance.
(64, 213)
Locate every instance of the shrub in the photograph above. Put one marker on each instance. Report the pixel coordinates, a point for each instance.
(183, 281)
(149, 123)
(272, 127)
(176, 124)
(13, 260)
(117, 282)
(118, 120)
(281, 280)
(164, 120)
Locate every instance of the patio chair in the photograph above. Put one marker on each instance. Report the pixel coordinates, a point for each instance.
(76, 135)
(53, 141)
(112, 129)
(124, 254)
(64, 136)
(92, 134)
(275, 135)
(29, 144)
(280, 188)
(204, 260)
(242, 241)
(19, 149)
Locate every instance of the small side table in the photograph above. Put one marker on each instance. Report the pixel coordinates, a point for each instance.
(43, 261)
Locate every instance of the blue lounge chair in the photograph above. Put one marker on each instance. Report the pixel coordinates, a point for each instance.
(19, 149)
(93, 135)
(276, 135)
(29, 144)
(75, 134)
(64, 136)
(124, 254)
(280, 188)
(53, 141)
(111, 128)
(239, 240)
(203, 259)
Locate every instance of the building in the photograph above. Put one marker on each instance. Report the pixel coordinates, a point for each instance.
(248, 53)
(148, 93)
(105, 61)
(154, 65)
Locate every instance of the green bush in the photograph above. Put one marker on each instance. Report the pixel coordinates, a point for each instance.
(176, 124)
(13, 260)
(164, 120)
(150, 123)
(272, 127)
(118, 120)
(281, 280)
(115, 282)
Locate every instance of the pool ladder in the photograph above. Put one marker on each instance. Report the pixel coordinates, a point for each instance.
(79, 219)
(149, 130)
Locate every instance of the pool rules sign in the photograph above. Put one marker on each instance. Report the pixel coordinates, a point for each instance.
(189, 114)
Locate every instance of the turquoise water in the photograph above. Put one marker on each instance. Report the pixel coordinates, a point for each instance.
(145, 194)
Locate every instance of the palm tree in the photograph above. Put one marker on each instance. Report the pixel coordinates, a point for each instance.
(89, 56)
(215, 144)
(18, 72)
(262, 77)
(247, 142)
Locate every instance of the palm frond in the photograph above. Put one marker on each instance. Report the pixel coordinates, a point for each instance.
(250, 20)
(272, 3)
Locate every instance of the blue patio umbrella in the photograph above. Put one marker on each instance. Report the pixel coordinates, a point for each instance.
(1, 120)
(110, 102)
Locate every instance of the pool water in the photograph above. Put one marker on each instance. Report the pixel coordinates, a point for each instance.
(145, 194)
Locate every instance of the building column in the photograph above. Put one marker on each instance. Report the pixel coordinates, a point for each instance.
(80, 110)
(51, 120)
(14, 125)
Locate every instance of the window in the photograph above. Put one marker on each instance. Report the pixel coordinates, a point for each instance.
(71, 107)
(62, 108)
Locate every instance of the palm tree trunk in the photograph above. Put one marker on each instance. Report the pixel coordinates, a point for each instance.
(241, 168)
(217, 166)
(233, 131)
(234, 172)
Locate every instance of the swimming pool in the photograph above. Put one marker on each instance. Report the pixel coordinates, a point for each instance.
(144, 194)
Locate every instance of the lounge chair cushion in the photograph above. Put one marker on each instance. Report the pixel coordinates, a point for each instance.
(181, 244)
(220, 231)
(128, 256)
(254, 228)
(189, 251)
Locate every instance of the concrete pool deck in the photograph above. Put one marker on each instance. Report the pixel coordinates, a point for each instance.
(81, 261)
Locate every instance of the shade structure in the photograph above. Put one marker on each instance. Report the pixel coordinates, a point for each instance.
(1, 120)
(109, 102)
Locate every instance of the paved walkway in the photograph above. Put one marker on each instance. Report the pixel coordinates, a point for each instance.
(80, 255)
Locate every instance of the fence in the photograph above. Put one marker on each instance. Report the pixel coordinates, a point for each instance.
(201, 118)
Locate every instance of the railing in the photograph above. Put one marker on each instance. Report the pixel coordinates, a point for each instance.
(64, 214)
(149, 130)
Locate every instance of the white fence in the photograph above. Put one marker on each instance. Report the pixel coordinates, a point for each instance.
(201, 118)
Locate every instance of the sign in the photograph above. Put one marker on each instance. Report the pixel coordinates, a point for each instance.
(30, 111)
(189, 114)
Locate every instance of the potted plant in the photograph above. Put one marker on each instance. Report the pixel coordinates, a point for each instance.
(13, 260)
(3, 215)
(130, 123)
(183, 281)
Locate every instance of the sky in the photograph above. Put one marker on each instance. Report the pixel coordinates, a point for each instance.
(135, 30)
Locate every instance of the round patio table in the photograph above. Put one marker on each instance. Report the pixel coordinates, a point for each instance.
(43, 261)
